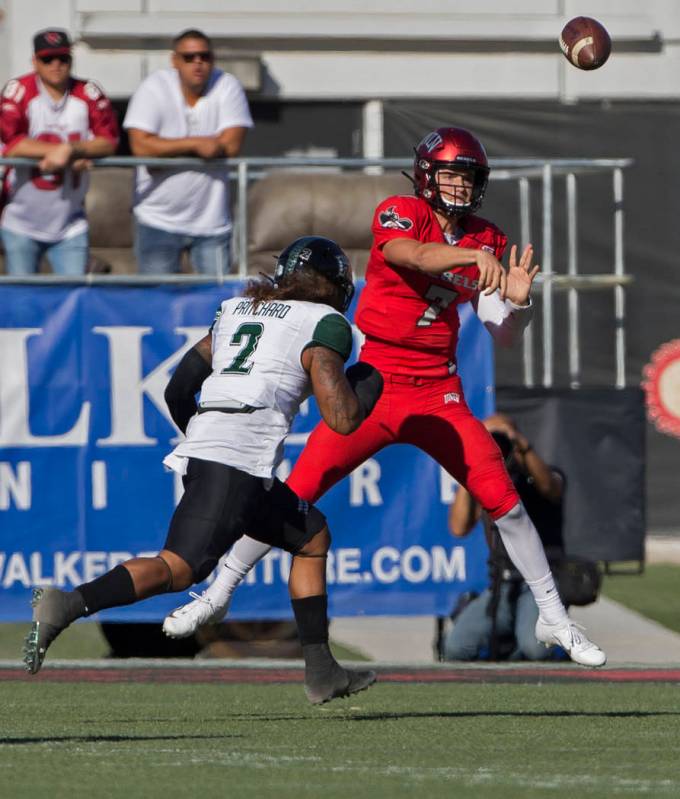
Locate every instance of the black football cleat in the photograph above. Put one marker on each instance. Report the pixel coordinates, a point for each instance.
(53, 611)
(325, 678)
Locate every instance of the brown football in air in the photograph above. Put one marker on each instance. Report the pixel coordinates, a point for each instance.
(585, 42)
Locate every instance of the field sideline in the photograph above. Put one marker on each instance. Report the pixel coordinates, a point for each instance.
(519, 731)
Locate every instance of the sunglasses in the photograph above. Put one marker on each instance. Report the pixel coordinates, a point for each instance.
(48, 59)
(204, 56)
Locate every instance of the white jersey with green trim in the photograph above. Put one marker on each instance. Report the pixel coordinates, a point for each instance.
(248, 403)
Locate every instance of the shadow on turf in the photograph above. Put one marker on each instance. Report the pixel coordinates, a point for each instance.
(55, 739)
(347, 715)
(471, 714)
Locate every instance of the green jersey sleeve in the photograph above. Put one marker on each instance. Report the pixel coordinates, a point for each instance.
(333, 331)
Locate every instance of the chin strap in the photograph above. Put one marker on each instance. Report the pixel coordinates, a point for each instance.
(409, 178)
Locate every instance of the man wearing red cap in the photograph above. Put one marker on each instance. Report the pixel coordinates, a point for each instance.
(62, 122)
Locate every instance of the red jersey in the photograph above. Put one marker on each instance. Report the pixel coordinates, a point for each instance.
(409, 318)
(50, 207)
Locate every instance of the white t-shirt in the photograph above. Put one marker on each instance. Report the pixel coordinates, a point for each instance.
(258, 376)
(193, 202)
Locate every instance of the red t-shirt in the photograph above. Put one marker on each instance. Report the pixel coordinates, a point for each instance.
(409, 318)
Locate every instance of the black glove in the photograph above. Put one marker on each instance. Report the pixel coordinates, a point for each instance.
(367, 383)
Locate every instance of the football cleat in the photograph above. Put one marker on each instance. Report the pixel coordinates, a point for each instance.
(186, 619)
(325, 678)
(571, 637)
(346, 683)
(53, 611)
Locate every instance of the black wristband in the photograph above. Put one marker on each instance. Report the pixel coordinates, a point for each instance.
(367, 383)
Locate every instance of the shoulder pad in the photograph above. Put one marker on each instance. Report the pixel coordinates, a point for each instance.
(398, 212)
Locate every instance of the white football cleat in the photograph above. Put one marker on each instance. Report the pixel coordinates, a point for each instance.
(186, 619)
(570, 636)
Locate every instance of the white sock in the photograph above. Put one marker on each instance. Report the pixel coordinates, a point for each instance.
(242, 557)
(525, 549)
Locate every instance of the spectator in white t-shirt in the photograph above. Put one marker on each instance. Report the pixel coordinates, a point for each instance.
(62, 122)
(192, 109)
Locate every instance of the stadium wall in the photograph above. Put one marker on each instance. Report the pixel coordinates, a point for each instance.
(408, 48)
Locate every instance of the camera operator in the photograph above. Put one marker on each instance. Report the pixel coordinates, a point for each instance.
(502, 619)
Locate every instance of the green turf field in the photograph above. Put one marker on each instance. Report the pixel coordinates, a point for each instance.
(66, 741)
(655, 593)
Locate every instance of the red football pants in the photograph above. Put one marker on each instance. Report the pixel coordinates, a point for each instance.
(429, 413)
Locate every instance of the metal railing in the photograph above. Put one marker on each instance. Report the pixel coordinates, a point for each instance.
(524, 171)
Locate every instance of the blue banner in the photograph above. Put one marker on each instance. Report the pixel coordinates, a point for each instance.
(84, 428)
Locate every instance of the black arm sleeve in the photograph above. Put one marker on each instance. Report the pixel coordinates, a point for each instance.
(180, 394)
(367, 383)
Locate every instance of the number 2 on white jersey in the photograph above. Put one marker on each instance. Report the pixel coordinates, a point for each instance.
(248, 335)
(440, 298)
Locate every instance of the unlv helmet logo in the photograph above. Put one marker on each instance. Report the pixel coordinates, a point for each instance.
(431, 142)
(391, 219)
(53, 38)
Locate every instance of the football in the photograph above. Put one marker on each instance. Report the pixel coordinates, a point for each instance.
(585, 43)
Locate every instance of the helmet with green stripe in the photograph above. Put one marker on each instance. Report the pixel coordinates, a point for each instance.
(321, 255)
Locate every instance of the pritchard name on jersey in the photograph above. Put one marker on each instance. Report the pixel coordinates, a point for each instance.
(277, 309)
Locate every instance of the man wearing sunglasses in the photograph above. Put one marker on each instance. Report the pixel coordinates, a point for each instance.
(62, 122)
(190, 110)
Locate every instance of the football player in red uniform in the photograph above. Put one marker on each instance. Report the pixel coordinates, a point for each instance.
(430, 253)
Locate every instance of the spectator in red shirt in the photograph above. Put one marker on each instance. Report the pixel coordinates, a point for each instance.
(62, 122)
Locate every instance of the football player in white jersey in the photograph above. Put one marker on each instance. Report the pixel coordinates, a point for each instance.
(266, 352)
(62, 122)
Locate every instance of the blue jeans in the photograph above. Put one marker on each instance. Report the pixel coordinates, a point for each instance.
(158, 251)
(471, 632)
(23, 254)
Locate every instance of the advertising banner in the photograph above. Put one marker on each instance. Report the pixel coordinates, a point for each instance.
(84, 428)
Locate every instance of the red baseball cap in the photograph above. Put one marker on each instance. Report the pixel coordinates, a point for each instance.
(52, 41)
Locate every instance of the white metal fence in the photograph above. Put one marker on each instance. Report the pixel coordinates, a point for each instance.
(531, 176)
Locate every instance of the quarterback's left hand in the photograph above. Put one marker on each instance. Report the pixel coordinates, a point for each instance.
(520, 275)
